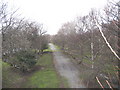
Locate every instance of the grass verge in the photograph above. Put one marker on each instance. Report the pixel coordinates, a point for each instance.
(10, 79)
(46, 77)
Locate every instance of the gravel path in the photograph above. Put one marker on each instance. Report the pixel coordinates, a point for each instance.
(66, 68)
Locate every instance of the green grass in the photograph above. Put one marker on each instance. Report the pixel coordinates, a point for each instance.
(45, 60)
(47, 77)
(57, 47)
(44, 79)
(47, 50)
(9, 77)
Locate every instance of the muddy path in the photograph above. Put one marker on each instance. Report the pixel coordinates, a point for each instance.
(66, 68)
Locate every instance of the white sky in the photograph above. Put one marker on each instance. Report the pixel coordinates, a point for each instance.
(53, 13)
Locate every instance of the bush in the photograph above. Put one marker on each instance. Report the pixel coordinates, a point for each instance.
(44, 46)
(24, 60)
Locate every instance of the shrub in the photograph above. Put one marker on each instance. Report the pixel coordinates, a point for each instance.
(24, 60)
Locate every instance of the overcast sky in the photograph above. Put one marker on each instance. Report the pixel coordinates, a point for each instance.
(53, 13)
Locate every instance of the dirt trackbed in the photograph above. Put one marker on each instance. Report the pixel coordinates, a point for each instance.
(66, 68)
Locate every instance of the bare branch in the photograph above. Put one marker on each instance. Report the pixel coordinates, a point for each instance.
(109, 84)
(99, 83)
(99, 27)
